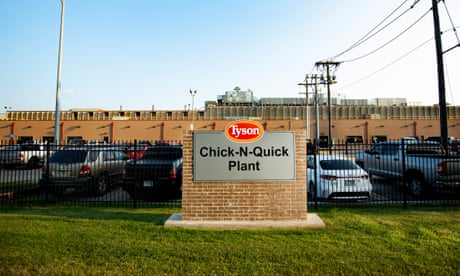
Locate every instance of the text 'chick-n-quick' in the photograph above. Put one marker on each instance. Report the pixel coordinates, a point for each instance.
(244, 152)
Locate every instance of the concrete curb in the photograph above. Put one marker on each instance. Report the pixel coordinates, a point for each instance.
(312, 221)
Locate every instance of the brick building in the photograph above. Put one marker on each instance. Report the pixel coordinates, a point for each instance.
(369, 122)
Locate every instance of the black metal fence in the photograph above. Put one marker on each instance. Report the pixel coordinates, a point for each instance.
(92, 175)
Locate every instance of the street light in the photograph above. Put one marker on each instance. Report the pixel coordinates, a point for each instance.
(57, 115)
(4, 116)
(192, 93)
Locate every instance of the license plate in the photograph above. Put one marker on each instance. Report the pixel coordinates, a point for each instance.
(148, 183)
(349, 183)
(62, 174)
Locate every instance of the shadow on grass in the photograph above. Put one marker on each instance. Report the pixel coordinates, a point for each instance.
(156, 216)
(384, 210)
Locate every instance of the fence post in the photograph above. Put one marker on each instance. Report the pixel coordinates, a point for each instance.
(315, 194)
(135, 175)
(47, 169)
(403, 165)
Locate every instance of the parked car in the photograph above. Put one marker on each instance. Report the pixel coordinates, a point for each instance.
(156, 175)
(425, 166)
(311, 147)
(437, 139)
(136, 151)
(31, 155)
(336, 177)
(410, 139)
(94, 168)
(452, 143)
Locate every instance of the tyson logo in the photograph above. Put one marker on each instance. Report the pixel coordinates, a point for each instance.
(244, 131)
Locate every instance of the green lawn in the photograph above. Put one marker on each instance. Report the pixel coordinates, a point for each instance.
(378, 240)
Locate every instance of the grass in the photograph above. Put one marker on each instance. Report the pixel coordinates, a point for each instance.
(121, 241)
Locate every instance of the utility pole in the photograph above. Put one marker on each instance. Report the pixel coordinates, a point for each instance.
(316, 102)
(315, 79)
(307, 111)
(313, 82)
(328, 65)
(441, 85)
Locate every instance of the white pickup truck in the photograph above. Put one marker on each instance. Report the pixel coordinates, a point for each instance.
(424, 166)
(31, 155)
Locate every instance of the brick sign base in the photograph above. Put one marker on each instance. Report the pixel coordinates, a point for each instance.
(252, 204)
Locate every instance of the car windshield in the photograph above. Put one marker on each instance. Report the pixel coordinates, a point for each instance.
(138, 147)
(68, 156)
(425, 149)
(30, 147)
(338, 165)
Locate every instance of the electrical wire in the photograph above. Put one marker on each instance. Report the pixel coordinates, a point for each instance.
(370, 34)
(395, 61)
(451, 22)
(391, 40)
(458, 45)
(388, 65)
(448, 83)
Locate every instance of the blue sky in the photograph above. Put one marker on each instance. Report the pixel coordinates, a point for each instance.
(141, 53)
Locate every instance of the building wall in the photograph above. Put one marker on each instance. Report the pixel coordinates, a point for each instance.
(127, 130)
(123, 125)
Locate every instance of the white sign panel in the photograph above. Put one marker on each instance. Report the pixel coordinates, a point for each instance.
(218, 158)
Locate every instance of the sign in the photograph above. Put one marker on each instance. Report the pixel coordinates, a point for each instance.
(244, 131)
(244, 152)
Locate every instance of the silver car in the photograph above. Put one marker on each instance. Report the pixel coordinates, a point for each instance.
(92, 168)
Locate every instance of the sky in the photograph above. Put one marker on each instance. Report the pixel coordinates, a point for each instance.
(144, 54)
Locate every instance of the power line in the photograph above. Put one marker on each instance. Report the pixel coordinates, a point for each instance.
(393, 62)
(386, 66)
(449, 84)
(369, 35)
(451, 22)
(391, 40)
(453, 28)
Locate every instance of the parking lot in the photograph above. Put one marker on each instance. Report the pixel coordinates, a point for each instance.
(21, 184)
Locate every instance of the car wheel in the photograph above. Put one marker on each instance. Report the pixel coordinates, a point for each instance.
(132, 195)
(101, 186)
(56, 191)
(179, 191)
(417, 185)
(32, 163)
(371, 177)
